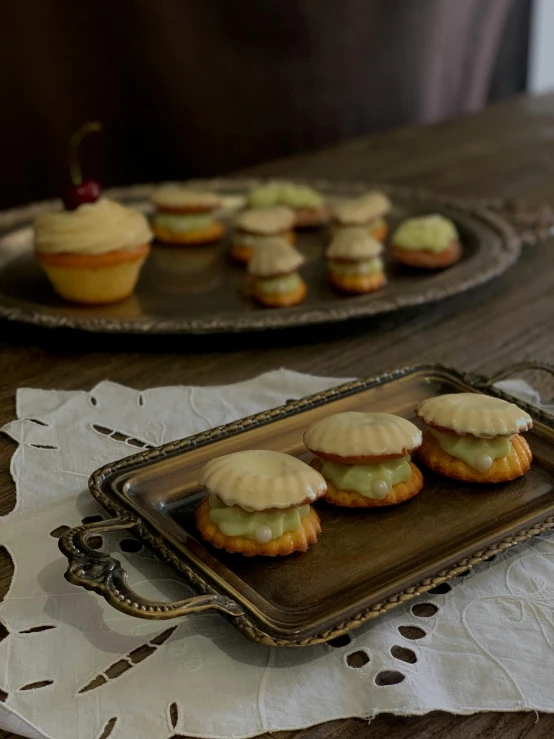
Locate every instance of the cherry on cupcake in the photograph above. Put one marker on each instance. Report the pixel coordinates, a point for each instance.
(81, 191)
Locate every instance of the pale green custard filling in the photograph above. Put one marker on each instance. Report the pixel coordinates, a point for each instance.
(276, 285)
(235, 521)
(471, 450)
(178, 222)
(366, 267)
(430, 233)
(277, 193)
(361, 478)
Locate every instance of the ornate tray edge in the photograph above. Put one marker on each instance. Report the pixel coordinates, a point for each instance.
(243, 622)
(273, 320)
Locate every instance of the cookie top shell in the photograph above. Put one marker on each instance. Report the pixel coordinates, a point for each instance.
(353, 244)
(258, 479)
(362, 438)
(274, 257)
(361, 210)
(266, 221)
(179, 196)
(474, 414)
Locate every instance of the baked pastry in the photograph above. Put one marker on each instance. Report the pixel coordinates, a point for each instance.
(474, 437)
(307, 204)
(428, 242)
(355, 264)
(254, 226)
(259, 503)
(93, 254)
(365, 458)
(186, 217)
(274, 271)
(367, 211)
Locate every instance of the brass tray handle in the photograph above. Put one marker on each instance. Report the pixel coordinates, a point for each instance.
(513, 369)
(103, 574)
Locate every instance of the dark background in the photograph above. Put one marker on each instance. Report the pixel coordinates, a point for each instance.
(190, 88)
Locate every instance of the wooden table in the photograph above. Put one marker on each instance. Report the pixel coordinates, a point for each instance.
(508, 150)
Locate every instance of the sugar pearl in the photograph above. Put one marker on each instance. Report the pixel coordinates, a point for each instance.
(263, 534)
(379, 488)
(483, 462)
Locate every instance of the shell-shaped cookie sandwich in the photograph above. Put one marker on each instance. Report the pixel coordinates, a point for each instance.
(427, 242)
(185, 217)
(365, 458)
(274, 270)
(354, 261)
(367, 211)
(475, 437)
(255, 225)
(259, 503)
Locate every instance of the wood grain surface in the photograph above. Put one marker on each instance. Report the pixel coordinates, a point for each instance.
(508, 150)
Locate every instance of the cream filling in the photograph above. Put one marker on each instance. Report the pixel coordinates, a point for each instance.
(369, 225)
(370, 480)
(364, 267)
(181, 222)
(257, 525)
(242, 238)
(429, 233)
(477, 453)
(279, 285)
(294, 196)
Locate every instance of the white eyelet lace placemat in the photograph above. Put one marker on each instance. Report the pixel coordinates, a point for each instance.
(72, 667)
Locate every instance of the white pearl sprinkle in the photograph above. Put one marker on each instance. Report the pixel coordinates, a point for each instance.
(379, 488)
(263, 534)
(483, 462)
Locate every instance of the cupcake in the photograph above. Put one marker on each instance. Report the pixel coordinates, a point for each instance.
(252, 227)
(258, 503)
(354, 261)
(308, 205)
(366, 211)
(93, 255)
(185, 217)
(275, 279)
(365, 458)
(429, 242)
(474, 437)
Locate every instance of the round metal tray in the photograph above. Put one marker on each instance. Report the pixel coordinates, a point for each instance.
(199, 291)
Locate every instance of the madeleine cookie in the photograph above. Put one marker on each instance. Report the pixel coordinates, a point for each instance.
(354, 261)
(365, 458)
(274, 271)
(306, 203)
(367, 211)
(253, 227)
(474, 437)
(185, 217)
(93, 255)
(259, 503)
(426, 242)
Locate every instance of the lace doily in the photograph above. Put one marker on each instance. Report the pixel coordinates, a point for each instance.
(71, 667)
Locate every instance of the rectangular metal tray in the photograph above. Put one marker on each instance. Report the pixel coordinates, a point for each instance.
(364, 563)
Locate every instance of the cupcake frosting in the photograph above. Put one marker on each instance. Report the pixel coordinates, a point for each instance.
(179, 196)
(353, 244)
(266, 221)
(354, 434)
(362, 210)
(93, 228)
(472, 413)
(258, 479)
(431, 233)
(274, 257)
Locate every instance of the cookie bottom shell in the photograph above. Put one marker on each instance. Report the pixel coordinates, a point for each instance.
(397, 494)
(213, 232)
(424, 259)
(516, 464)
(358, 284)
(287, 543)
(281, 300)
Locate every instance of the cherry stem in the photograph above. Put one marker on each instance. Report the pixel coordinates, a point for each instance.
(74, 143)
